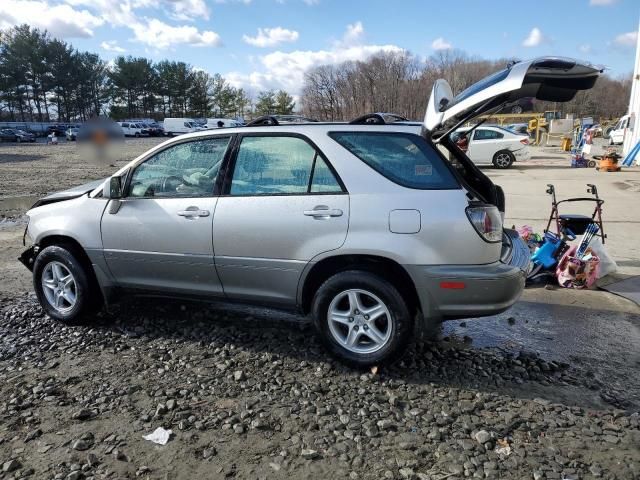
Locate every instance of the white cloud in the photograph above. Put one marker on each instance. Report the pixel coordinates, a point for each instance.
(534, 38)
(61, 21)
(441, 44)
(189, 9)
(119, 13)
(602, 3)
(160, 35)
(286, 70)
(112, 46)
(270, 37)
(354, 33)
(628, 39)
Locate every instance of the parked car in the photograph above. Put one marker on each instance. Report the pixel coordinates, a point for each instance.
(14, 135)
(493, 145)
(178, 126)
(151, 126)
(59, 128)
(519, 128)
(521, 106)
(130, 129)
(72, 134)
(154, 129)
(221, 123)
(617, 133)
(364, 225)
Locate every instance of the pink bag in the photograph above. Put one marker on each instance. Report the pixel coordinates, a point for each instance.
(573, 272)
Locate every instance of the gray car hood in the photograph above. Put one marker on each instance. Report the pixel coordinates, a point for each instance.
(73, 192)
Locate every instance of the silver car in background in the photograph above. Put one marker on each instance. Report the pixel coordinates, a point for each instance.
(366, 225)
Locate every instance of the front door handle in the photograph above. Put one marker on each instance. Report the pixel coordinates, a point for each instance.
(323, 211)
(192, 212)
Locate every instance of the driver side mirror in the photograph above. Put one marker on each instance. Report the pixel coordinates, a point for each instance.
(114, 187)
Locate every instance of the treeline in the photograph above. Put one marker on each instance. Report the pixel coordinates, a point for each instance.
(400, 82)
(44, 79)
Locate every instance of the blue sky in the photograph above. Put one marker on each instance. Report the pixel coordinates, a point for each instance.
(259, 44)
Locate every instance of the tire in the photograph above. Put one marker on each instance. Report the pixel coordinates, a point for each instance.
(18, 140)
(516, 109)
(137, 135)
(503, 159)
(52, 266)
(351, 295)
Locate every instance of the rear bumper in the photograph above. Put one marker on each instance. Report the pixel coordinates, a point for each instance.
(463, 291)
(522, 154)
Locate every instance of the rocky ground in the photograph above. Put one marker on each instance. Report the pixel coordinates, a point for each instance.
(251, 395)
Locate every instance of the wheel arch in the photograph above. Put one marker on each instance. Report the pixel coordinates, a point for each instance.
(78, 250)
(385, 267)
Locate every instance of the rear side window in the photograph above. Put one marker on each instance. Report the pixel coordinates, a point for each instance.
(403, 158)
(482, 134)
(280, 165)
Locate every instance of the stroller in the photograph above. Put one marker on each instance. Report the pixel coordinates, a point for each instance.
(568, 227)
(577, 224)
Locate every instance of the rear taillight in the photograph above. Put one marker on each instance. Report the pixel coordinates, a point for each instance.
(487, 221)
(524, 141)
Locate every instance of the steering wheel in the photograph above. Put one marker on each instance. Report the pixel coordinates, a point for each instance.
(171, 183)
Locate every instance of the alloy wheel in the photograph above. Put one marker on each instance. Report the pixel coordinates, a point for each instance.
(59, 286)
(503, 160)
(359, 321)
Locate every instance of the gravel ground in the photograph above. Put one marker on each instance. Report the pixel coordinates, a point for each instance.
(247, 397)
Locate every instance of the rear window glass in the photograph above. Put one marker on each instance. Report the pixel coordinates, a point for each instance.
(403, 158)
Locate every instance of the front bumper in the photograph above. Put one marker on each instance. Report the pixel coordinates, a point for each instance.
(28, 257)
(464, 291)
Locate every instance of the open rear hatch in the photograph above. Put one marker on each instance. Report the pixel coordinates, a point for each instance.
(554, 79)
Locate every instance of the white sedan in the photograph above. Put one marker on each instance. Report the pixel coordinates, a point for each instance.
(492, 145)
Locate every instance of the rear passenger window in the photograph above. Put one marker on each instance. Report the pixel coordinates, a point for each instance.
(403, 158)
(280, 165)
(482, 134)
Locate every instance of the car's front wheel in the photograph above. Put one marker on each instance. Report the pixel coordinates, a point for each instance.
(361, 318)
(503, 159)
(62, 285)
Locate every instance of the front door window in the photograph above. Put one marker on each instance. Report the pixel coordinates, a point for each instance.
(187, 169)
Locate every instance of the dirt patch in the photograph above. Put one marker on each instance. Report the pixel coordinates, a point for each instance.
(38, 169)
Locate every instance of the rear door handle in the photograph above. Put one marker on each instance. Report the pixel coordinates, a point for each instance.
(193, 211)
(323, 211)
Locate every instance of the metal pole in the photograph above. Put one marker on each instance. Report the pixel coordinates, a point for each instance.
(632, 135)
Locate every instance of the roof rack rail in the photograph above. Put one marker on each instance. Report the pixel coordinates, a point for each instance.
(264, 121)
(378, 118)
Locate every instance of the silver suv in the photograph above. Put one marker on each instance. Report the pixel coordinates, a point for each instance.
(369, 226)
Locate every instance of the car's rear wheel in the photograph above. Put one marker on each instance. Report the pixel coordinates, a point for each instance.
(63, 286)
(503, 159)
(18, 139)
(361, 318)
(516, 109)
